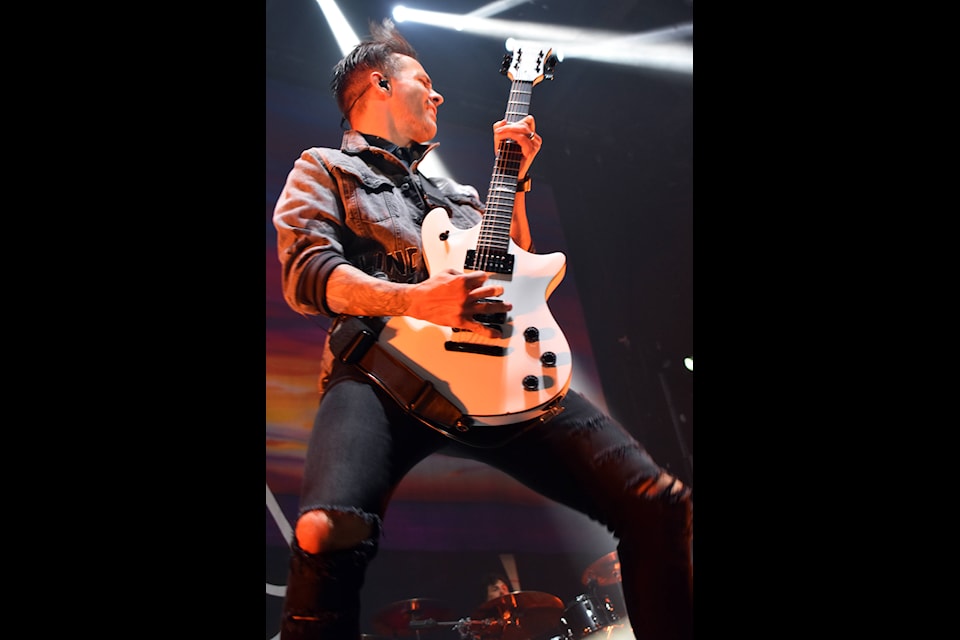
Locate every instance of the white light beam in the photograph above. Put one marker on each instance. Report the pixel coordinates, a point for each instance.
(346, 38)
(658, 48)
(494, 8)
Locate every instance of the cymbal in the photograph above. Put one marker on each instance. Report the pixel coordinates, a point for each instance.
(523, 614)
(394, 619)
(605, 571)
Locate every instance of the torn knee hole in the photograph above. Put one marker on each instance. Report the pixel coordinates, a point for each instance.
(320, 530)
(664, 483)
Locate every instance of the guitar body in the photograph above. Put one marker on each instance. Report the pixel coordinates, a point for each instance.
(498, 381)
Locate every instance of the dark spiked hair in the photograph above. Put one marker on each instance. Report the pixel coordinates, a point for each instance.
(374, 53)
(492, 578)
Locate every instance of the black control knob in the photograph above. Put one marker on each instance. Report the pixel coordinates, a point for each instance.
(549, 359)
(531, 334)
(530, 383)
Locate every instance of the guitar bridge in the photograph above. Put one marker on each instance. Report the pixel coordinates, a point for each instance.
(491, 318)
(472, 347)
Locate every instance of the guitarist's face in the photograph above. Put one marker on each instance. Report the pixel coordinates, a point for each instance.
(414, 103)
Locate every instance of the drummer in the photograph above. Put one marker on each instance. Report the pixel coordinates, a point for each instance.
(495, 585)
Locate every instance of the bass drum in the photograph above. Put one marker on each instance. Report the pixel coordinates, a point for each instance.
(587, 614)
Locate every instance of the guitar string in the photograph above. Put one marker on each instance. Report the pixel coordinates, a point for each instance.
(494, 237)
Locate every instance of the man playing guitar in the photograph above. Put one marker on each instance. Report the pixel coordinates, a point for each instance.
(351, 224)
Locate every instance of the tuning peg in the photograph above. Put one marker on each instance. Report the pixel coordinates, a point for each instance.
(550, 65)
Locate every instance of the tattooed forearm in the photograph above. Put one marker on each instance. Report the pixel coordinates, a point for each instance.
(353, 292)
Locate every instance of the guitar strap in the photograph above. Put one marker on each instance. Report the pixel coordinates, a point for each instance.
(434, 196)
(354, 341)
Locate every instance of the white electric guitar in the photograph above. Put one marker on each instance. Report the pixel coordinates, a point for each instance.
(523, 374)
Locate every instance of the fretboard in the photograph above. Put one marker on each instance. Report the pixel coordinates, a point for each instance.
(495, 229)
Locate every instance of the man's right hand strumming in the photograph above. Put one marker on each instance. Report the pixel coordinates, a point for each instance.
(448, 298)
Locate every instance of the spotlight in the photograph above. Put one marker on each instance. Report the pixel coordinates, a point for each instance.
(664, 49)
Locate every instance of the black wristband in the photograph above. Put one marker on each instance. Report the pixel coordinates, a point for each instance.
(523, 184)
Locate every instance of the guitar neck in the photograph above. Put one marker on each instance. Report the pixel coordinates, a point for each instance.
(495, 229)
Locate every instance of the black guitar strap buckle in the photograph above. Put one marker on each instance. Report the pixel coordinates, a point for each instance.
(358, 347)
(351, 338)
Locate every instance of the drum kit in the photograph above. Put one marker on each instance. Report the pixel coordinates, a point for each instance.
(522, 615)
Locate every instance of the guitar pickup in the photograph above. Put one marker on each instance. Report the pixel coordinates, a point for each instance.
(495, 327)
(492, 261)
(490, 318)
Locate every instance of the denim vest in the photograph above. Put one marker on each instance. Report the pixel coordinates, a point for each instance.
(386, 210)
(362, 205)
(358, 204)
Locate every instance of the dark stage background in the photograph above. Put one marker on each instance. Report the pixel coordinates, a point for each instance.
(613, 190)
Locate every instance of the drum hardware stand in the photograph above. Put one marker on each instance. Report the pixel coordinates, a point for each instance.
(464, 626)
(603, 599)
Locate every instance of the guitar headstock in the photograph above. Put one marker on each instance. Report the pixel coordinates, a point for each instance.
(529, 61)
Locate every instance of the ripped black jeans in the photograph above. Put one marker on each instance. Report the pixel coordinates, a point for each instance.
(362, 446)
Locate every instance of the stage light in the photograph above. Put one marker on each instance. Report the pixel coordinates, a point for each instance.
(664, 49)
(494, 8)
(688, 363)
(400, 13)
(344, 35)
